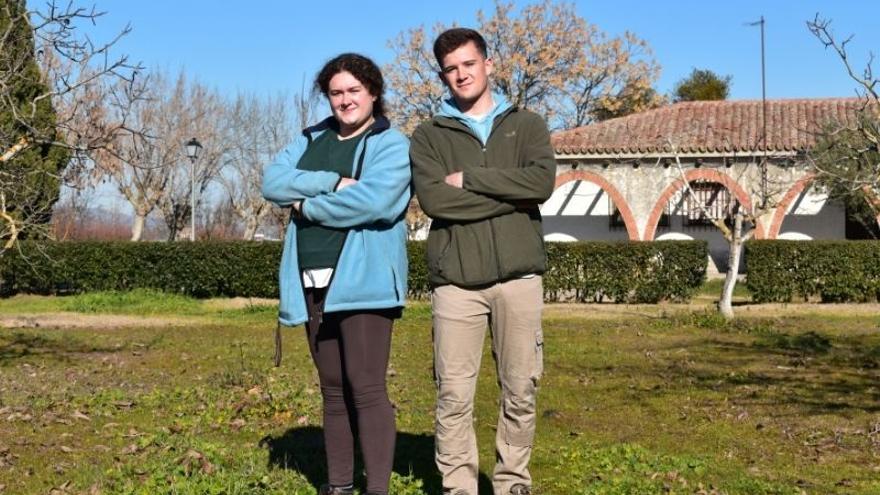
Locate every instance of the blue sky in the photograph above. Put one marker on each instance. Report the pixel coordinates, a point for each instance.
(266, 46)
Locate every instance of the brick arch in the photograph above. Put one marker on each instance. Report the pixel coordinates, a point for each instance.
(629, 220)
(780, 213)
(690, 176)
(791, 195)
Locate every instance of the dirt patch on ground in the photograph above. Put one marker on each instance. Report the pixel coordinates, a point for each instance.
(587, 311)
(238, 302)
(610, 310)
(74, 320)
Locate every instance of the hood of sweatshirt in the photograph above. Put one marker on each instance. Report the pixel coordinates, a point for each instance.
(481, 127)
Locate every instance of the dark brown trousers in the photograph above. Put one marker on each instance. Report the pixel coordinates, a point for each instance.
(350, 350)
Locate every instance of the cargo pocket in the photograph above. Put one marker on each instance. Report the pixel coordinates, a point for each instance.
(539, 356)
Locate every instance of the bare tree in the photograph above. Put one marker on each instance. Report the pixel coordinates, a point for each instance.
(547, 58)
(138, 161)
(615, 77)
(72, 70)
(738, 220)
(307, 106)
(150, 168)
(846, 159)
(258, 130)
(72, 214)
(194, 111)
(221, 222)
(415, 88)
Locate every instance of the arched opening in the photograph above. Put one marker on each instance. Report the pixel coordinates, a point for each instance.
(676, 190)
(586, 206)
(687, 216)
(806, 212)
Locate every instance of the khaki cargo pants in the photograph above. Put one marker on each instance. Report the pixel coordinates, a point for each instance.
(512, 310)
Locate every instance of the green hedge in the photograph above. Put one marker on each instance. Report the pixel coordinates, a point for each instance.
(202, 269)
(641, 272)
(631, 272)
(834, 271)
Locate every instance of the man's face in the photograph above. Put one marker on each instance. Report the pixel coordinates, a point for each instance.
(466, 73)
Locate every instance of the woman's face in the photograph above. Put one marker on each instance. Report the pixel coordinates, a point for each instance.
(351, 102)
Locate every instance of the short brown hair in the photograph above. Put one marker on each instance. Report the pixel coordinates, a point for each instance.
(452, 39)
(363, 69)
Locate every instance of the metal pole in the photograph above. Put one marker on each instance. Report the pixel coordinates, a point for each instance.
(192, 187)
(764, 192)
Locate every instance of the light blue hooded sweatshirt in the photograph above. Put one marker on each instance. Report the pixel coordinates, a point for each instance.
(482, 127)
(372, 269)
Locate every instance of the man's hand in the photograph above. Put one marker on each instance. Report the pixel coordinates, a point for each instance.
(345, 182)
(455, 179)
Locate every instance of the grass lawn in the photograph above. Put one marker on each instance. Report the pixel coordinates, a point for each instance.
(150, 393)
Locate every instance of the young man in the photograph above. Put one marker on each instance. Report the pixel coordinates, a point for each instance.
(480, 169)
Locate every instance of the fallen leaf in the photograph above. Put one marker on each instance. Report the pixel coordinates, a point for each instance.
(66, 449)
(79, 415)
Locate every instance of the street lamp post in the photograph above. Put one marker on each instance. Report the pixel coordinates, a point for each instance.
(193, 148)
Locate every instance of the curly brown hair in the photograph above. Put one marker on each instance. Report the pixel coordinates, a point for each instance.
(363, 69)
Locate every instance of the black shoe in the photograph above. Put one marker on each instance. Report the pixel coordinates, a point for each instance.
(335, 490)
(520, 489)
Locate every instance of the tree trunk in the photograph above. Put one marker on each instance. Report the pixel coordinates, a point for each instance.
(137, 228)
(250, 229)
(176, 220)
(725, 305)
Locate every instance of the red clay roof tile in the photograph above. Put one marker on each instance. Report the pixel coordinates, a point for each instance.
(710, 126)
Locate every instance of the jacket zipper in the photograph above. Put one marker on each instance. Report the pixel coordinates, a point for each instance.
(493, 237)
(358, 166)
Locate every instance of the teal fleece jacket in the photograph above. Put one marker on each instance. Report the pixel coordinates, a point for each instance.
(372, 268)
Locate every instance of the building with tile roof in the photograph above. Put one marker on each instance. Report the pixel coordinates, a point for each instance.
(625, 178)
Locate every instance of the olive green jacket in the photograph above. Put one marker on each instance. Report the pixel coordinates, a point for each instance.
(490, 229)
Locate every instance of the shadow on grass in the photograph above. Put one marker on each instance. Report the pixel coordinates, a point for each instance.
(19, 345)
(815, 372)
(302, 450)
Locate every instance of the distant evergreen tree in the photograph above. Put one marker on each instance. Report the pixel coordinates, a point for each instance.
(31, 165)
(702, 84)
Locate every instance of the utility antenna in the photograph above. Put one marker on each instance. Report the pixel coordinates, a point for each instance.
(761, 23)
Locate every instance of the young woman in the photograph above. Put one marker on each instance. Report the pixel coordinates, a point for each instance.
(344, 267)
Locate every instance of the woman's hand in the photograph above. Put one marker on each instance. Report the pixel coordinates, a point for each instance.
(345, 182)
